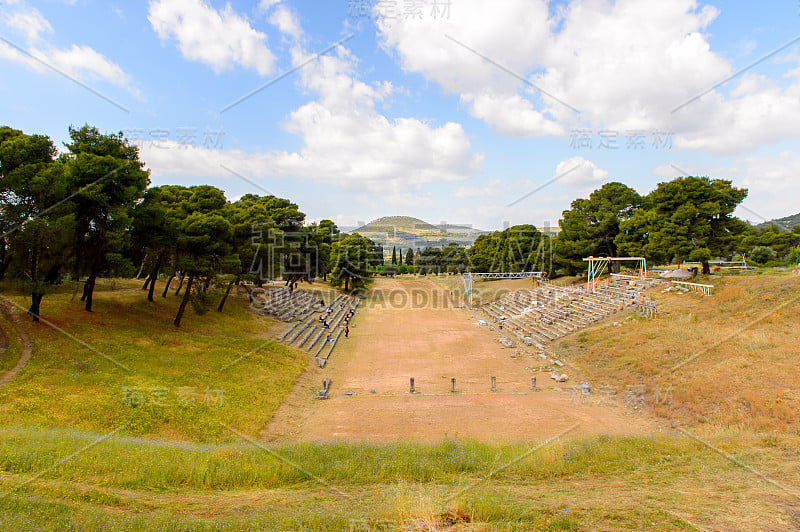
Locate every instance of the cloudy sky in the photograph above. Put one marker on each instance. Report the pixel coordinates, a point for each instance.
(465, 111)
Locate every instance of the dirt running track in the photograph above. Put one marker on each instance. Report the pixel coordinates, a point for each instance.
(409, 328)
(27, 345)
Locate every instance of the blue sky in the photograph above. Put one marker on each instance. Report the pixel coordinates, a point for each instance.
(404, 117)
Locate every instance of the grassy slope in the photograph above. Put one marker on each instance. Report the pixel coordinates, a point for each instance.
(668, 482)
(741, 345)
(176, 373)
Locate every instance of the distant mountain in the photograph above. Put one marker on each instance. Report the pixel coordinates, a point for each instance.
(406, 232)
(787, 221)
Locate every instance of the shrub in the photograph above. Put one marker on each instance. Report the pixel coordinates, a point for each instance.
(794, 256)
(762, 254)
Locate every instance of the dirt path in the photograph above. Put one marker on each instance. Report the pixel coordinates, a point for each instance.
(25, 342)
(409, 328)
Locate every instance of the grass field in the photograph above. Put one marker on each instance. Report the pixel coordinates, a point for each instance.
(9, 356)
(125, 366)
(76, 454)
(661, 483)
(729, 359)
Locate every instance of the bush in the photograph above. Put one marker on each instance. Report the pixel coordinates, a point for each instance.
(794, 256)
(762, 254)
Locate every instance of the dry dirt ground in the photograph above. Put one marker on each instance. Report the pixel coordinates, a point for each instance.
(412, 328)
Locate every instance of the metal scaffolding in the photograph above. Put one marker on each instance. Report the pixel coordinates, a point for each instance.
(597, 266)
(469, 276)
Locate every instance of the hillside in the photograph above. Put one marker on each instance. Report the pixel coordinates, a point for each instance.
(787, 221)
(126, 367)
(407, 232)
(727, 360)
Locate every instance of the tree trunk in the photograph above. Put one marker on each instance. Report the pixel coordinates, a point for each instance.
(152, 289)
(178, 291)
(153, 276)
(706, 268)
(228, 291)
(4, 261)
(89, 290)
(36, 300)
(141, 268)
(167, 286)
(346, 283)
(186, 295)
(146, 282)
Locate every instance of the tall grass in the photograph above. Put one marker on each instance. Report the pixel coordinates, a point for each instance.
(135, 464)
(130, 484)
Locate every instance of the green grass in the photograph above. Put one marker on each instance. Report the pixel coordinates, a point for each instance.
(178, 386)
(583, 484)
(134, 464)
(9, 357)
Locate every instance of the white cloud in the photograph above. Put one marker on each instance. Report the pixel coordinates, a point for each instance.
(29, 22)
(624, 64)
(285, 20)
(771, 180)
(78, 62)
(526, 202)
(511, 115)
(83, 61)
(579, 173)
(757, 112)
(492, 188)
(219, 39)
(667, 171)
(346, 142)
(265, 5)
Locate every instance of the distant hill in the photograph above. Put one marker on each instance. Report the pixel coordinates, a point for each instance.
(407, 232)
(787, 221)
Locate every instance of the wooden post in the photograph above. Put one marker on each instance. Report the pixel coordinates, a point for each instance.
(494, 384)
(412, 385)
(533, 383)
(453, 385)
